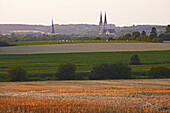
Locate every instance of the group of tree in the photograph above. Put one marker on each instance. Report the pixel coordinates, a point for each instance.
(152, 37)
(166, 35)
(103, 71)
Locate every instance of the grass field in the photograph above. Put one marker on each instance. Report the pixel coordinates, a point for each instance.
(47, 64)
(25, 43)
(102, 96)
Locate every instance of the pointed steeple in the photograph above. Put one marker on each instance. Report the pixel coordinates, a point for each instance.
(100, 18)
(52, 27)
(105, 19)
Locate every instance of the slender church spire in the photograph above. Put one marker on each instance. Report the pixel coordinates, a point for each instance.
(52, 27)
(100, 24)
(105, 19)
(105, 22)
(100, 18)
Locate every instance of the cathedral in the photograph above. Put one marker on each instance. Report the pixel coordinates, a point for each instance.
(104, 28)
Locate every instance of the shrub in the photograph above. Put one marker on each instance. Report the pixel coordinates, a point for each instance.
(17, 74)
(157, 40)
(110, 38)
(66, 72)
(134, 60)
(35, 79)
(111, 71)
(97, 38)
(158, 72)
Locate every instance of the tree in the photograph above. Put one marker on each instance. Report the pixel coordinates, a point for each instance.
(111, 71)
(127, 36)
(97, 38)
(157, 40)
(135, 34)
(134, 60)
(17, 74)
(167, 29)
(66, 72)
(158, 72)
(110, 38)
(143, 34)
(153, 31)
(152, 36)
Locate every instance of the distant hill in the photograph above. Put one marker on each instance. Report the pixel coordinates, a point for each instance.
(81, 29)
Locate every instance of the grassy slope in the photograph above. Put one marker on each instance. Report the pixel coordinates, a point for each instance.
(47, 63)
(25, 43)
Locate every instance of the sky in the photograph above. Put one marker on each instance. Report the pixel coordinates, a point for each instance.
(119, 12)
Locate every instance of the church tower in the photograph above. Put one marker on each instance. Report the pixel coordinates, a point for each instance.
(52, 28)
(101, 25)
(105, 22)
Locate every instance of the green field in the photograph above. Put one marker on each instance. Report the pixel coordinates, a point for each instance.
(25, 43)
(47, 64)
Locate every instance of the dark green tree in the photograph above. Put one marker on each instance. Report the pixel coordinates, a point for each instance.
(17, 74)
(154, 32)
(111, 71)
(97, 38)
(167, 29)
(135, 34)
(127, 36)
(134, 60)
(158, 72)
(143, 34)
(152, 36)
(66, 72)
(110, 38)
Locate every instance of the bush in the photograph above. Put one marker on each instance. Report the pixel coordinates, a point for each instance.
(134, 60)
(110, 38)
(111, 71)
(97, 38)
(158, 72)
(35, 79)
(157, 40)
(17, 74)
(66, 72)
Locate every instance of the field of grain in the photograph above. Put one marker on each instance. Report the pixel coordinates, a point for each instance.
(105, 96)
(84, 47)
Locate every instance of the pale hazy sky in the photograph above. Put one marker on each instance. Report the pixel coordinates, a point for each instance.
(119, 12)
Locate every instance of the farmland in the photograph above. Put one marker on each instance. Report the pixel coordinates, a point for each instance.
(130, 96)
(47, 64)
(26, 43)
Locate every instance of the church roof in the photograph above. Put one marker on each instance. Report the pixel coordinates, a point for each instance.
(109, 30)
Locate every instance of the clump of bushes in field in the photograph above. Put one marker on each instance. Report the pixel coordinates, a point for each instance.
(158, 72)
(111, 71)
(17, 74)
(66, 72)
(134, 60)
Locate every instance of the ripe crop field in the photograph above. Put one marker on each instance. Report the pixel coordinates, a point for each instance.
(102, 96)
(43, 64)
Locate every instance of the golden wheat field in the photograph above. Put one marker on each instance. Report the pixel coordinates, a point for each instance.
(102, 96)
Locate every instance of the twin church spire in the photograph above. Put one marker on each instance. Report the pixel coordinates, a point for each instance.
(105, 19)
(102, 26)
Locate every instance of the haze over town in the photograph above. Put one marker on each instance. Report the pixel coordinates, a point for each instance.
(119, 12)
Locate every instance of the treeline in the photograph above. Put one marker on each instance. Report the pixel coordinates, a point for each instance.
(152, 37)
(100, 72)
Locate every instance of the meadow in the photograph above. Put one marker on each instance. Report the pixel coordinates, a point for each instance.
(101, 96)
(46, 64)
(26, 43)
